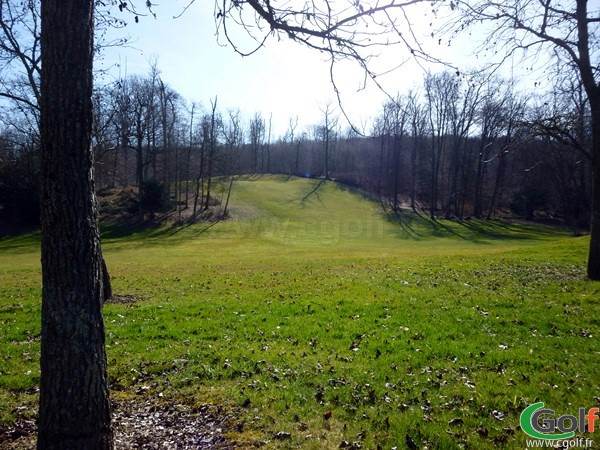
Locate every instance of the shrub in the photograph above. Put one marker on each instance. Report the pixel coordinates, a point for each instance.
(154, 196)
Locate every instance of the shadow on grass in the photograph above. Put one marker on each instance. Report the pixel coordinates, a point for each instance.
(502, 229)
(418, 226)
(19, 241)
(314, 191)
(152, 231)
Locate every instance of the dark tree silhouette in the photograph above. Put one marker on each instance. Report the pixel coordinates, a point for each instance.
(74, 403)
(570, 34)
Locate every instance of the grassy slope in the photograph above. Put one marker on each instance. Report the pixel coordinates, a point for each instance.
(302, 306)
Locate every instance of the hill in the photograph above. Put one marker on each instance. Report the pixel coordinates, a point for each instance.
(310, 319)
(301, 213)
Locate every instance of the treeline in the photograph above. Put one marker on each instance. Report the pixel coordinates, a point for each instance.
(456, 147)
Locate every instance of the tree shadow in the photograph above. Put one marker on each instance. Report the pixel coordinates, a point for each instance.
(314, 191)
(502, 229)
(146, 232)
(418, 226)
(19, 240)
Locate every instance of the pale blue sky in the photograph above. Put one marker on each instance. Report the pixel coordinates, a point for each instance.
(284, 78)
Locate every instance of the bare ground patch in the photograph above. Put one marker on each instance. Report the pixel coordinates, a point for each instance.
(144, 425)
(125, 299)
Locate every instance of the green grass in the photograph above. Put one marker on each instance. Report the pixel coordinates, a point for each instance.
(302, 306)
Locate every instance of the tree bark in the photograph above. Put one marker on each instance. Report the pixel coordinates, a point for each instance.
(593, 268)
(74, 405)
(592, 90)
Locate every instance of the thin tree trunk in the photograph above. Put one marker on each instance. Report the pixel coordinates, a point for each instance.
(381, 169)
(479, 183)
(413, 168)
(212, 148)
(115, 168)
(199, 194)
(231, 180)
(497, 184)
(140, 173)
(74, 405)
(396, 205)
(188, 158)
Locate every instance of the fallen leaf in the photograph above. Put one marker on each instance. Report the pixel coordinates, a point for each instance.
(283, 435)
(410, 443)
(483, 432)
(498, 415)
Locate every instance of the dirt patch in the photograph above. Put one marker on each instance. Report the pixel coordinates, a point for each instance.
(123, 299)
(152, 426)
(144, 426)
(19, 435)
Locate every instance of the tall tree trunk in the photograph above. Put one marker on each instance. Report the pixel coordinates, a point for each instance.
(413, 165)
(593, 268)
(592, 89)
(326, 151)
(139, 168)
(74, 405)
(381, 168)
(395, 175)
(231, 180)
(479, 178)
(497, 184)
(188, 157)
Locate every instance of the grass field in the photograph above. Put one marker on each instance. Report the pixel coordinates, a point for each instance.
(314, 315)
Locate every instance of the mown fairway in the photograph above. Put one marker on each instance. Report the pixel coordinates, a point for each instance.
(325, 320)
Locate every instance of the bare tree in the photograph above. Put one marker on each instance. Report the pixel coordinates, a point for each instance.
(568, 32)
(199, 185)
(392, 126)
(327, 130)
(562, 121)
(290, 136)
(355, 31)
(20, 55)
(418, 125)
(20, 52)
(491, 120)
(188, 157)
(234, 137)
(462, 118)
(441, 91)
(142, 110)
(216, 125)
(257, 141)
(508, 142)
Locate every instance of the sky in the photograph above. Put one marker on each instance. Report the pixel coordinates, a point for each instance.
(284, 79)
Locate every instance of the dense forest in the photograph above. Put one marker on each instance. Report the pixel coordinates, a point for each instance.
(458, 146)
